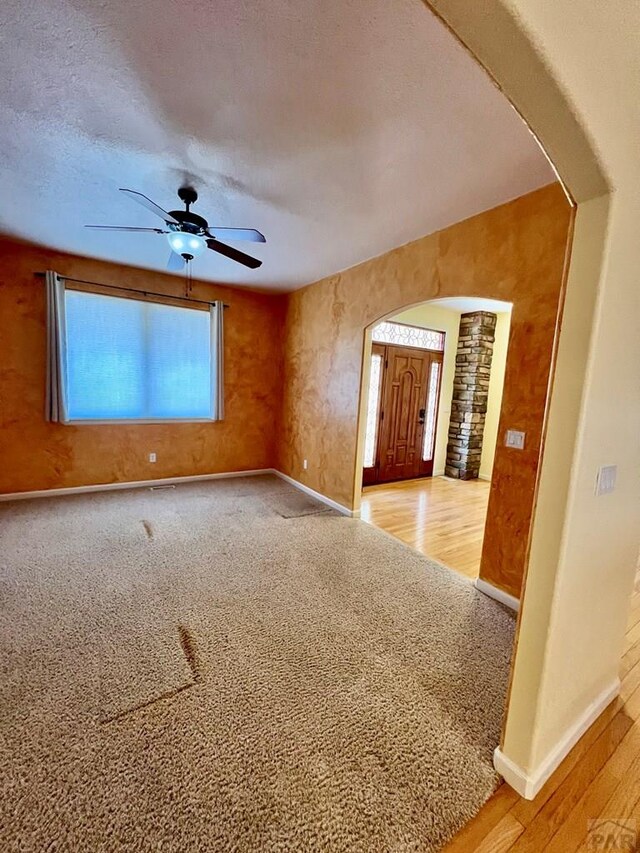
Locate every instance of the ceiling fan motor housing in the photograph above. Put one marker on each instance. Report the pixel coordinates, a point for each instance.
(189, 222)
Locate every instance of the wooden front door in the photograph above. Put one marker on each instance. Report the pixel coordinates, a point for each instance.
(407, 393)
(403, 410)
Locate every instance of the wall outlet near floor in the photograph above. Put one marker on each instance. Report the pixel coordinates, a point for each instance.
(305, 464)
(606, 479)
(515, 439)
(152, 457)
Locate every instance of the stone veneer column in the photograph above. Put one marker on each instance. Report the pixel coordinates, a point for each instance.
(470, 393)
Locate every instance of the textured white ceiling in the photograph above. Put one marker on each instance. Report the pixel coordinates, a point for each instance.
(466, 304)
(340, 129)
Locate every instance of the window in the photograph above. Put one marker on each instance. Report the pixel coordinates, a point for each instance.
(371, 434)
(408, 336)
(432, 402)
(132, 360)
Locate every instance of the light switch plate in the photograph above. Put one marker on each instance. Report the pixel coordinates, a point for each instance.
(606, 480)
(515, 439)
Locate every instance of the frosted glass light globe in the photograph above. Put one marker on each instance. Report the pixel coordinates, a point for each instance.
(186, 244)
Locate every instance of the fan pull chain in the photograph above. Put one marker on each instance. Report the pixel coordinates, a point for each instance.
(187, 279)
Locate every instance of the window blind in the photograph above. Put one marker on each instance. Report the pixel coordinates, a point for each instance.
(128, 359)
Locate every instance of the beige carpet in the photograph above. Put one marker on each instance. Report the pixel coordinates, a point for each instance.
(192, 670)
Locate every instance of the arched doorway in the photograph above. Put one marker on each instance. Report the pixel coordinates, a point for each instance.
(434, 395)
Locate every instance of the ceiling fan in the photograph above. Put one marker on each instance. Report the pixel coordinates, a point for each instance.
(189, 234)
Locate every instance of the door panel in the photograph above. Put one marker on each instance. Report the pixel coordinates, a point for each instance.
(402, 411)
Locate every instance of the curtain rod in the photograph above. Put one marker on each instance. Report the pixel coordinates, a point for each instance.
(134, 290)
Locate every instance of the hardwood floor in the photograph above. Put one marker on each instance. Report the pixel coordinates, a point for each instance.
(441, 517)
(598, 781)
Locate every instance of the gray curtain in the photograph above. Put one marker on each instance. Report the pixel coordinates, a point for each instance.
(55, 408)
(217, 358)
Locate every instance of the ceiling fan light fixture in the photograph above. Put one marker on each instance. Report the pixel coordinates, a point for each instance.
(186, 244)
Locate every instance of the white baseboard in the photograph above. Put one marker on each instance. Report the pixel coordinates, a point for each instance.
(499, 594)
(135, 484)
(352, 513)
(486, 477)
(528, 784)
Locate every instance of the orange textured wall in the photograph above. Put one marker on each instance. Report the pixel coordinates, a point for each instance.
(35, 454)
(516, 253)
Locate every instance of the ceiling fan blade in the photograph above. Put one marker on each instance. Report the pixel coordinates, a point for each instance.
(175, 262)
(125, 228)
(150, 205)
(233, 254)
(237, 234)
